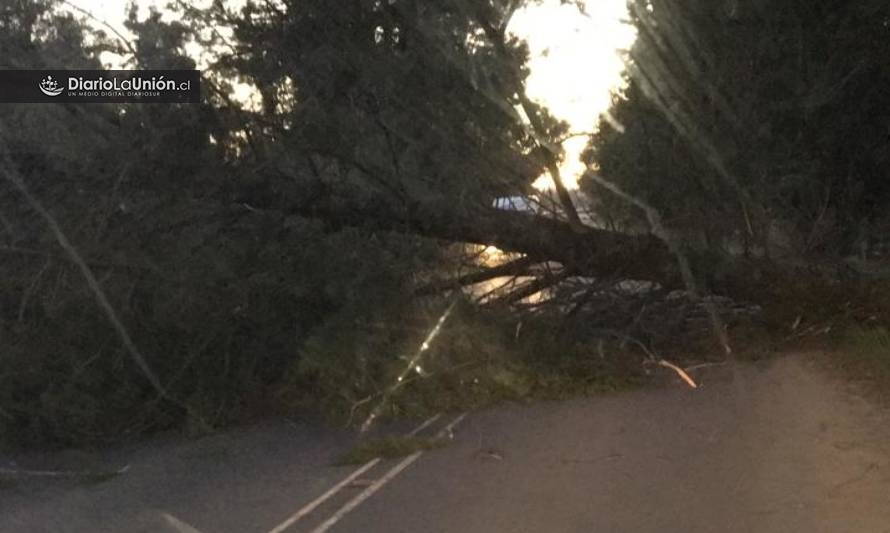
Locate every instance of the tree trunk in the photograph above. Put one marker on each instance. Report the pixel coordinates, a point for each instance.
(596, 253)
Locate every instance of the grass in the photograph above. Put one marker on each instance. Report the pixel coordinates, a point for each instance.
(870, 347)
(864, 354)
(390, 447)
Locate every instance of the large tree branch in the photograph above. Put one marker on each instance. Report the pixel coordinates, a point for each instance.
(594, 253)
(533, 287)
(510, 268)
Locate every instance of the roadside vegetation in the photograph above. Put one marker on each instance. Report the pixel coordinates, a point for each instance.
(865, 352)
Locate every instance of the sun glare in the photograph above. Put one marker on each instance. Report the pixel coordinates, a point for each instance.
(574, 66)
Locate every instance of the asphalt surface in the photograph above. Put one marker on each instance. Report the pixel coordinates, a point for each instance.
(779, 447)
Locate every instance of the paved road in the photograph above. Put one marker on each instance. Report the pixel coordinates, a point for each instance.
(779, 447)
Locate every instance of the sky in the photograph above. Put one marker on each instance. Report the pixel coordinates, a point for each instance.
(574, 66)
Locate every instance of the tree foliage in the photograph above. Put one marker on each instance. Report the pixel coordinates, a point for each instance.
(756, 125)
(218, 294)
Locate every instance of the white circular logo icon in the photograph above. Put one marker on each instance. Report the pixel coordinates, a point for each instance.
(50, 87)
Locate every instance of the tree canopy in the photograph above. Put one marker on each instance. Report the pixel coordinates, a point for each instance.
(755, 124)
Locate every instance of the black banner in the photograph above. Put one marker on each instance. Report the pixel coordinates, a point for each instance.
(100, 86)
